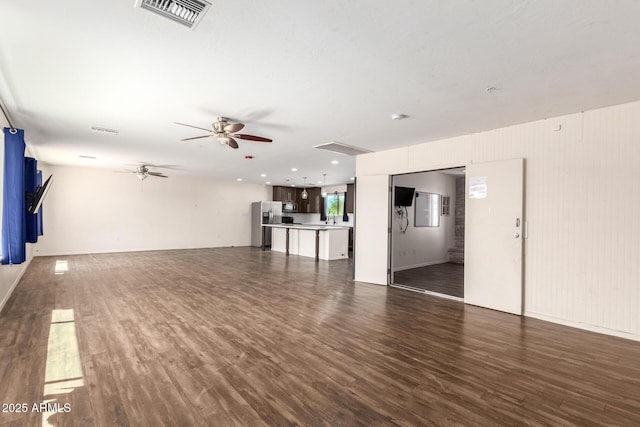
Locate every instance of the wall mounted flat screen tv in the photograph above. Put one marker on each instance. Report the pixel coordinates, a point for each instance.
(403, 196)
(38, 196)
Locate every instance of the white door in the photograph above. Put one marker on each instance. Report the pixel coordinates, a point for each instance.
(493, 235)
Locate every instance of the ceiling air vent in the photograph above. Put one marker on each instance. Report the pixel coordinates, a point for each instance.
(185, 12)
(339, 147)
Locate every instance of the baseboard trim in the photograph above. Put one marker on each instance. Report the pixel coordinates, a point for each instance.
(25, 265)
(424, 291)
(584, 326)
(119, 251)
(422, 264)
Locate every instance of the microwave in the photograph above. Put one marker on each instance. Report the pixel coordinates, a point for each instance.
(289, 207)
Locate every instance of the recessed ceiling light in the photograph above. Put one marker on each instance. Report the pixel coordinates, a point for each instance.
(239, 179)
(294, 169)
(268, 182)
(104, 130)
(319, 182)
(398, 116)
(87, 157)
(293, 185)
(263, 175)
(352, 178)
(334, 162)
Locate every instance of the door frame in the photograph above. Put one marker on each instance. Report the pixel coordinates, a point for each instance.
(390, 272)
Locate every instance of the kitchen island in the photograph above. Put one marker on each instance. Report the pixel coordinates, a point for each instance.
(320, 241)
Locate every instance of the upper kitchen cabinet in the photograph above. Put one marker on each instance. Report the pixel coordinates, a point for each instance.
(312, 203)
(279, 194)
(294, 195)
(314, 199)
(351, 195)
(285, 194)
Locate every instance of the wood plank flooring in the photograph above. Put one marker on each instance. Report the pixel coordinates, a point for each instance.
(237, 336)
(446, 278)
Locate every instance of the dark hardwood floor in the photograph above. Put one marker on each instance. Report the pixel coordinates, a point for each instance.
(446, 278)
(238, 336)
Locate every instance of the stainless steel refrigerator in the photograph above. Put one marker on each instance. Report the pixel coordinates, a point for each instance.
(264, 213)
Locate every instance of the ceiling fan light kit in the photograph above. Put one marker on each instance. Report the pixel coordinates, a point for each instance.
(225, 133)
(142, 172)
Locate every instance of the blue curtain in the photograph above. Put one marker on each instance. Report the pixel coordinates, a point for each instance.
(30, 185)
(13, 209)
(39, 227)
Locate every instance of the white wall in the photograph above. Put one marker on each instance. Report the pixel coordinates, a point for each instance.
(9, 274)
(420, 246)
(371, 240)
(93, 210)
(582, 204)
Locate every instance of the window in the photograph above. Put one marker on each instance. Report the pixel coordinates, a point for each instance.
(334, 205)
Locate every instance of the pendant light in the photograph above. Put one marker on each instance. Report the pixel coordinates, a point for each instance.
(323, 190)
(304, 194)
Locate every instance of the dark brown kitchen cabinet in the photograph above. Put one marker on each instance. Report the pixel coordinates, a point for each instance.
(312, 203)
(280, 194)
(294, 195)
(296, 198)
(286, 194)
(303, 204)
(351, 194)
(314, 199)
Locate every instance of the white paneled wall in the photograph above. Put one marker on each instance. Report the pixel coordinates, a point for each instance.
(582, 204)
(93, 211)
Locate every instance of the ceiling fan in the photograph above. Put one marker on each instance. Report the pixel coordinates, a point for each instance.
(225, 133)
(142, 172)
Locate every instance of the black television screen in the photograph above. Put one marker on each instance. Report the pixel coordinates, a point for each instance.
(404, 196)
(38, 196)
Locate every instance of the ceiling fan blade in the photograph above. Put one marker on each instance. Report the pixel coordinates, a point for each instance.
(233, 127)
(232, 143)
(191, 126)
(251, 137)
(151, 165)
(196, 137)
(158, 174)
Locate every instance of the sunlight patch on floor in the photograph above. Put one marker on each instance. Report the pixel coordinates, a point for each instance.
(61, 267)
(63, 372)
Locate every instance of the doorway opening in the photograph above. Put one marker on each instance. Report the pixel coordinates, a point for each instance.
(427, 232)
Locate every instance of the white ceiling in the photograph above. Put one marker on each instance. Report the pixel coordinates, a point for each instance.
(302, 73)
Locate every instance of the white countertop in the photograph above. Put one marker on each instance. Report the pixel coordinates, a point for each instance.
(320, 227)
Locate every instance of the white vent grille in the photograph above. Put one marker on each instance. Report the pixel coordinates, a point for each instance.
(339, 147)
(185, 12)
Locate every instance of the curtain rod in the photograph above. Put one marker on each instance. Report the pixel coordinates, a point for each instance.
(12, 128)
